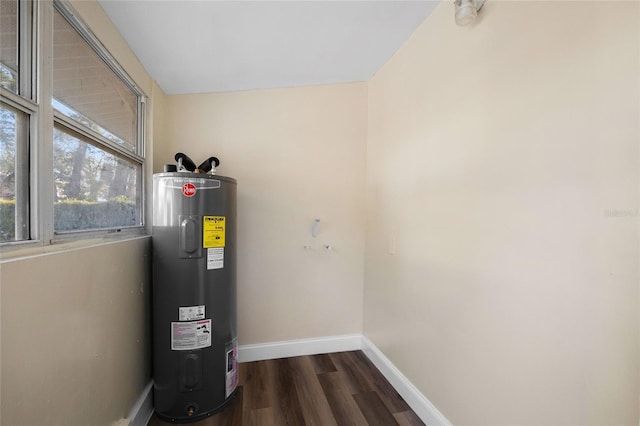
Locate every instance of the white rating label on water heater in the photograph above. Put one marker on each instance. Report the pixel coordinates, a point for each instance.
(186, 336)
(215, 258)
(231, 380)
(190, 313)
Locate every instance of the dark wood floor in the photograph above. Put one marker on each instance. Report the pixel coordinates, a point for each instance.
(341, 388)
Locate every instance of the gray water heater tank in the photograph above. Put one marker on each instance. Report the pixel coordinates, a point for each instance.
(195, 368)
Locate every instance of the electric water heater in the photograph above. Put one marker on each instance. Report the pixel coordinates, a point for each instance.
(195, 368)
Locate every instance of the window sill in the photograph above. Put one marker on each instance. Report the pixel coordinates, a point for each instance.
(60, 247)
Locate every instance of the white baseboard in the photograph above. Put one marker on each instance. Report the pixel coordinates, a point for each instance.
(143, 409)
(419, 403)
(290, 348)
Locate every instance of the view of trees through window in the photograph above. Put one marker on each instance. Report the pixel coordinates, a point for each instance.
(8, 139)
(8, 78)
(93, 188)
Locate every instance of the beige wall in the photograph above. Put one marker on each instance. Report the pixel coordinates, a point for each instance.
(75, 322)
(502, 240)
(298, 154)
(75, 335)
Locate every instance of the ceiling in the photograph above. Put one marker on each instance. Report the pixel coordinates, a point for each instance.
(215, 46)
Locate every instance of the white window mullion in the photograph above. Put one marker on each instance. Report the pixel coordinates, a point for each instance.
(25, 48)
(42, 160)
(147, 173)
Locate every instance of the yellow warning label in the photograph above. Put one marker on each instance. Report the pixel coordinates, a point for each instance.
(213, 230)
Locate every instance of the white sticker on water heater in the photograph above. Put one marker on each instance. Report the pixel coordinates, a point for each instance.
(187, 336)
(215, 258)
(190, 313)
(231, 378)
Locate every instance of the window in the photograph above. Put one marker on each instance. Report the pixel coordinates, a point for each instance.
(71, 130)
(16, 56)
(96, 149)
(17, 112)
(9, 44)
(14, 174)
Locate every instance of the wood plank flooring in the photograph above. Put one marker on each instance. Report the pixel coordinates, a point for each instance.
(335, 389)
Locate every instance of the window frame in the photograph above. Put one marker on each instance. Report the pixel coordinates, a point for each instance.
(24, 130)
(26, 101)
(35, 87)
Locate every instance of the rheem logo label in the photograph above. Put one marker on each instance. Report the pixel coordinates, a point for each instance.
(188, 190)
